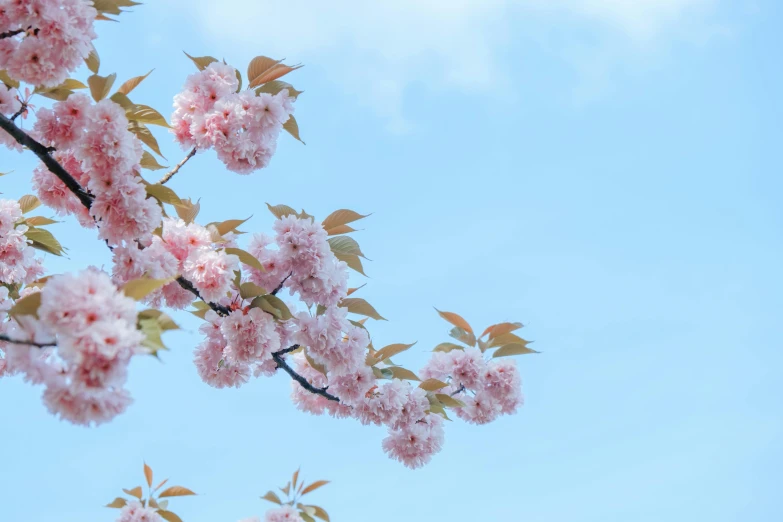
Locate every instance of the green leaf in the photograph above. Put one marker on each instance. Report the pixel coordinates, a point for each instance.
(352, 261)
(359, 306)
(280, 211)
(345, 245)
(163, 194)
(146, 114)
(28, 203)
(27, 305)
(449, 401)
(391, 350)
(152, 335)
(292, 127)
(149, 162)
(131, 84)
(432, 385)
(138, 289)
(341, 217)
(175, 491)
(462, 336)
(513, 349)
(506, 338)
(447, 347)
(100, 85)
(246, 258)
(275, 86)
(118, 503)
(273, 305)
(320, 513)
(271, 496)
(8, 81)
(164, 321)
(249, 290)
(44, 240)
(201, 61)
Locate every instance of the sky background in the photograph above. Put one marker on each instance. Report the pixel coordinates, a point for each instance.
(605, 171)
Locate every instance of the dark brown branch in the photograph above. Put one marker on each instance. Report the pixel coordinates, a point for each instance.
(173, 171)
(21, 111)
(280, 286)
(187, 285)
(5, 338)
(277, 356)
(10, 34)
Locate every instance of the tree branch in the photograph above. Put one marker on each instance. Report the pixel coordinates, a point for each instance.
(277, 356)
(173, 171)
(43, 154)
(9, 34)
(5, 338)
(280, 286)
(21, 111)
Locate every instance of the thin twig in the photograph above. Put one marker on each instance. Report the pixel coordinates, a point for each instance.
(301, 380)
(21, 111)
(280, 286)
(5, 338)
(9, 34)
(173, 171)
(461, 389)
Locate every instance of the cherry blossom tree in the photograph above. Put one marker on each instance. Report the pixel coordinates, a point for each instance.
(154, 505)
(75, 334)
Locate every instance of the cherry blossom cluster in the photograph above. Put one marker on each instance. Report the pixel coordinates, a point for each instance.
(18, 264)
(242, 127)
(181, 248)
(9, 105)
(93, 327)
(46, 39)
(281, 514)
(93, 141)
(488, 389)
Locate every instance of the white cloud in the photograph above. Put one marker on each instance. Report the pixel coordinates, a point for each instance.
(377, 49)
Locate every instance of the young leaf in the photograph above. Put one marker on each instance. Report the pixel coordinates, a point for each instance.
(391, 350)
(340, 229)
(152, 331)
(462, 336)
(146, 114)
(249, 290)
(271, 496)
(93, 61)
(359, 306)
(280, 211)
(148, 474)
(352, 290)
(345, 245)
(500, 329)
(168, 515)
(165, 322)
(432, 385)
(246, 258)
(275, 86)
(143, 133)
(163, 194)
(318, 367)
(447, 347)
(320, 513)
(230, 225)
(187, 210)
(135, 492)
(201, 61)
(295, 477)
(149, 162)
(138, 289)
(8, 81)
(341, 217)
(507, 338)
(512, 349)
(44, 240)
(263, 69)
(175, 491)
(39, 221)
(292, 127)
(449, 401)
(28, 203)
(398, 372)
(352, 261)
(131, 84)
(456, 320)
(100, 85)
(118, 503)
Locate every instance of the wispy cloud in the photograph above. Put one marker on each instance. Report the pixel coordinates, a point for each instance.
(377, 49)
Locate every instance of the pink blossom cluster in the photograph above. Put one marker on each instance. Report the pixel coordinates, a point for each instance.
(242, 127)
(18, 264)
(9, 105)
(285, 513)
(341, 349)
(94, 328)
(134, 511)
(94, 141)
(52, 38)
(488, 389)
(305, 257)
(181, 248)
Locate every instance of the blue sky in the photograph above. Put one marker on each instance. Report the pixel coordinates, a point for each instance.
(606, 172)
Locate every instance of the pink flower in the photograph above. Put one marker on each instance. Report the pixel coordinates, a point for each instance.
(133, 511)
(86, 407)
(210, 272)
(352, 387)
(503, 383)
(282, 514)
(415, 444)
(250, 337)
